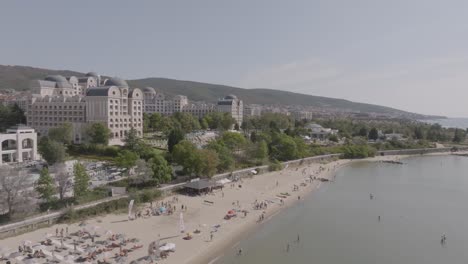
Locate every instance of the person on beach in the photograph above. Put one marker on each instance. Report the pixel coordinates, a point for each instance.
(211, 237)
(443, 239)
(298, 239)
(239, 253)
(371, 196)
(379, 218)
(287, 248)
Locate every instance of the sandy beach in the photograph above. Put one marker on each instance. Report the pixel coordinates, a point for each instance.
(198, 214)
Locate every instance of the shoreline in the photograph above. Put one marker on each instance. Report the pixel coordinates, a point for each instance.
(203, 216)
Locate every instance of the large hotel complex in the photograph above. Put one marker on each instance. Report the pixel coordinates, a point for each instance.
(80, 101)
(83, 100)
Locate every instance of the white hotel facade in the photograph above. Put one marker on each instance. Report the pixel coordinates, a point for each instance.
(84, 100)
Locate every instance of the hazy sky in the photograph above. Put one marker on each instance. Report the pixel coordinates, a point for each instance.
(408, 54)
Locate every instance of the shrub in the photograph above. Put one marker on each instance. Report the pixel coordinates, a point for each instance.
(275, 165)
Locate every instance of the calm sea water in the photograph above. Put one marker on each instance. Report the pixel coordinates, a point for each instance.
(450, 122)
(417, 202)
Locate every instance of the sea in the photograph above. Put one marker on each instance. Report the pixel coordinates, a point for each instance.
(450, 122)
(418, 202)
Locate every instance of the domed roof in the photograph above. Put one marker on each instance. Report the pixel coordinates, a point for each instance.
(149, 90)
(313, 126)
(92, 74)
(56, 78)
(115, 81)
(231, 96)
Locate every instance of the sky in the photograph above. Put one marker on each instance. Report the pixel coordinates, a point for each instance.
(407, 54)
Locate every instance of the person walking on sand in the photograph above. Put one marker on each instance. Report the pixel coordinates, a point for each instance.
(371, 196)
(298, 239)
(211, 237)
(379, 218)
(287, 248)
(239, 253)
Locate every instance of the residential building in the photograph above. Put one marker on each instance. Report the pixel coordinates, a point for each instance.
(80, 101)
(252, 110)
(155, 102)
(231, 104)
(199, 109)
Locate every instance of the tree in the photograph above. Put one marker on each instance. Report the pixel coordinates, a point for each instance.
(45, 186)
(333, 137)
(142, 173)
(363, 132)
(209, 161)
(14, 184)
(132, 140)
(62, 179)
(236, 127)
(185, 154)
(175, 136)
(10, 116)
(259, 151)
(81, 180)
(52, 151)
(233, 140)
(98, 133)
(204, 124)
(459, 136)
(373, 134)
(226, 159)
(283, 147)
(62, 134)
(162, 171)
(126, 159)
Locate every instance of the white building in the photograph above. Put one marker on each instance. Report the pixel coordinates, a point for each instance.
(231, 104)
(18, 144)
(199, 109)
(80, 101)
(316, 131)
(252, 110)
(154, 102)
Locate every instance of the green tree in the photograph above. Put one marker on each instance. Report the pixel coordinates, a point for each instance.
(186, 154)
(81, 178)
(259, 152)
(132, 140)
(226, 159)
(459, 136)
(209, 162)
(126, 159)
(233, 140)
(98, 133)
(162, 171)
(45, 186)
(373, 134)
(333, 137)
(52, 151)
(63, 133)
(175, 136)
(363, 132)
(283, 148)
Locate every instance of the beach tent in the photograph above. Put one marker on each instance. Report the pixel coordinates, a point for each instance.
(199, 186)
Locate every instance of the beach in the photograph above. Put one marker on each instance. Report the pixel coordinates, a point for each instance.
(211, 242)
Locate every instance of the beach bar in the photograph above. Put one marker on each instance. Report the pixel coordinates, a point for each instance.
(199, 186)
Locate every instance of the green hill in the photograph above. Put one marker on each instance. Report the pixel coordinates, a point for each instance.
(18, 78)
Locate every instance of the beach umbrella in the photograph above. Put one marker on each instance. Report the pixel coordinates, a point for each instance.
(181, 223)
